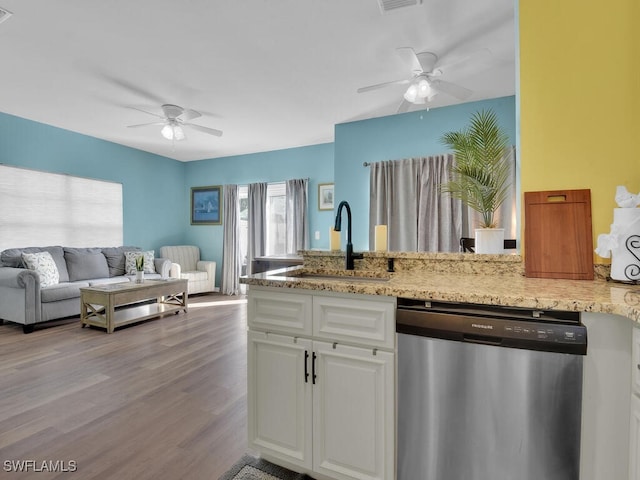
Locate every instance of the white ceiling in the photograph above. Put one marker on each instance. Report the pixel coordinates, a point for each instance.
(271, 74)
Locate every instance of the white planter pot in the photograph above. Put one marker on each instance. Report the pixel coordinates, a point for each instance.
(489, 240)
(139, 276)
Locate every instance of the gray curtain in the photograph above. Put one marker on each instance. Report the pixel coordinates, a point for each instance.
(231, 246)
(296, 215)
(257, 196)
(439, 216)
(393, 191)
(404, 196)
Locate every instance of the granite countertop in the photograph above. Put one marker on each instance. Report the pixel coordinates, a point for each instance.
(510, 289)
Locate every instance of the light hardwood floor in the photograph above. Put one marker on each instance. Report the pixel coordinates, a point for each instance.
(163, 399)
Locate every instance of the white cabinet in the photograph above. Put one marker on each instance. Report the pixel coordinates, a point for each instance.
(368, 321)
(279, 311)
(320, 402)
(634, 444)
(279, 392)
(634, 437)
(353, 413)
(635, 361)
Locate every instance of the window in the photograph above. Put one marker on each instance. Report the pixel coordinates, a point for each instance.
(276, 222)
(45, 208)
(243, 226)
(276, 235)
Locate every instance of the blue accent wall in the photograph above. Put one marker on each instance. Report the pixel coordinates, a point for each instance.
(414, 134)
(314, 162)
(157, 190)
(152, 185)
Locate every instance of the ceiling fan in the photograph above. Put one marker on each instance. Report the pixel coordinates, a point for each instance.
(424, 83)
(173, 121)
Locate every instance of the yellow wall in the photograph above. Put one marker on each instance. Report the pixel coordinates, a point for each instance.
(580, 99)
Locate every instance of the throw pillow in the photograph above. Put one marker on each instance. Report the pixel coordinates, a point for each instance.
(130, 262)
(115, 259)
(13, 258)
(43, 264)
(85, 263)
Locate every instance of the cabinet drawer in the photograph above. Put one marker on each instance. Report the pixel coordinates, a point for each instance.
(635, 361)
(367, 321)
(279, 311)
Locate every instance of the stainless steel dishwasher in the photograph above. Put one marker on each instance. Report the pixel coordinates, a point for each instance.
(488, 393)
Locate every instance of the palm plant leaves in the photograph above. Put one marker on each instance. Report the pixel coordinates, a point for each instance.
(481, 172)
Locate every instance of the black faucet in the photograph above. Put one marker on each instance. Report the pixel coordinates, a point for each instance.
(350, 255)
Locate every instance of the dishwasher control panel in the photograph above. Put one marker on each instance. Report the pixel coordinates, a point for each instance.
(552, 331)
(558, 333)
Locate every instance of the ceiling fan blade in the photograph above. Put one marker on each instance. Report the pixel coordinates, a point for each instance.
(409, 57)
(381, 85)
(473, 60)
(461, 93)
(200, 128)
(148, 113)
(404, 107)
(145, 124)
(189, 114)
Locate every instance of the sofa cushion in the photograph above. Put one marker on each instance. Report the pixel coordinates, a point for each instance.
(42, 263)
(62, 291)
(108, 281)
(130, 262)
(115, 259)
(12, 257)
(85, 263)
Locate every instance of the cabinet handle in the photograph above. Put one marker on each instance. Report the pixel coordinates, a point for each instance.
(313, 368)
(306, 366)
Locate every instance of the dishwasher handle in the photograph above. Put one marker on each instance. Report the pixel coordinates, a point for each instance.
(482, 339)
(500, 331)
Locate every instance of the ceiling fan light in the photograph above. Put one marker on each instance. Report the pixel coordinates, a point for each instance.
(167, 132)
(424, 89)
(411, 94)
(178, 133)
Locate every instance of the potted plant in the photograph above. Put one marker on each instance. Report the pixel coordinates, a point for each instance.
(481, 174)
(140, 269)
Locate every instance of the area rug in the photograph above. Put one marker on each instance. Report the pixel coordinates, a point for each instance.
(252, 468)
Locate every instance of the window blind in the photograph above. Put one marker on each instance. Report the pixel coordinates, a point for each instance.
(40, 208)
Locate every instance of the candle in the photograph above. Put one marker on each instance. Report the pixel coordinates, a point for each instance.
(381, 238)
(334, 239)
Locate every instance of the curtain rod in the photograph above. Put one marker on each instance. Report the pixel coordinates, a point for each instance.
(366, 164)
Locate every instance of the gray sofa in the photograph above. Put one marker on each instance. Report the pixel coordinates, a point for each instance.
(24, 301)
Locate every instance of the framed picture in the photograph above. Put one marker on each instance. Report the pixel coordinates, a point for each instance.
(325, 196)
(206, 205)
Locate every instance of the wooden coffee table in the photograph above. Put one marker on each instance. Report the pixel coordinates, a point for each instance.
(98, 303)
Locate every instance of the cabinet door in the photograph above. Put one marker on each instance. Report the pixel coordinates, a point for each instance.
(367, 320)
(276, 311)
(635, 363)
(634, 441)
(353, 423)
(279, 397)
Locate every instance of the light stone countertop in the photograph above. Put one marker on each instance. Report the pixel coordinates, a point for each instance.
(506, 288)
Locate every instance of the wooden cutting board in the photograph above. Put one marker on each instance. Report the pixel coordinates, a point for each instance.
(558, 242)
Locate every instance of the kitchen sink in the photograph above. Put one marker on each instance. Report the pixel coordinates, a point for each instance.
(344, 277)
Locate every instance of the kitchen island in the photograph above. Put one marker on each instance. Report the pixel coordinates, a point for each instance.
(482, 279)
(610, 311)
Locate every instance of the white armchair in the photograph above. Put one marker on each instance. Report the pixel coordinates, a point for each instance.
(186, 263)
